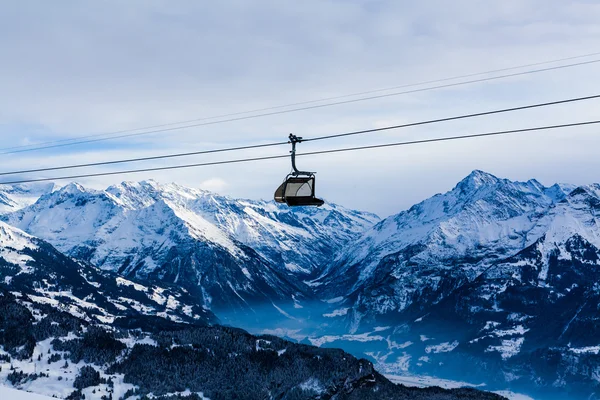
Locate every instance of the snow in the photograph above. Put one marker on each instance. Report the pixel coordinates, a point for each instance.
(202, 229)
(427, 381)
(393, 345)
(77, 307)
(82, 307)
(284, 332)
(125, 282)
(246, 273)
(518, 317)
(381, 328)
(14, 394)
(337, 313)
(512, 395)
(282, 312)
(47, 386)
(363, 337)
(335, 300)
(16, 197)
(312, 385)
(258, 344)
(12, 242)
(59, 383)
(130, 341)
(297, 304)
(483, 218)
(517, 330)
(138, 222)
(403, 362)
(586, 350)
(185, 393)
(295, 268)
(445, 347)
(508, 348)
(490, 325)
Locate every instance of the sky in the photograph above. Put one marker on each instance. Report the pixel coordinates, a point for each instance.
(71, 69)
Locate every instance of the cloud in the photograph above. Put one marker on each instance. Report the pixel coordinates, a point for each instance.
(216, 185)
(71, 69)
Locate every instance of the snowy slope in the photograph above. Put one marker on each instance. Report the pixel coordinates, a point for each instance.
(131, 216)
(455, 236)
(281, 235)
(13, 242)
(494, 280)
(230, 253)
(47, 351)
(533, 316)
(39, 274)
(481, 211)
(14, 394)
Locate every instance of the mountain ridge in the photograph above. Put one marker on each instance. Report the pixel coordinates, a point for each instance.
(488, 279)
(471, 276)
(177, 235)
(71, 330)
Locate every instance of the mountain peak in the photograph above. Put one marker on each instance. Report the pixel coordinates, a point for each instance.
(73, 188)
(476, 180)
(150, 183)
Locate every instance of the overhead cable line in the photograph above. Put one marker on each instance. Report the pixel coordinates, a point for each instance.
(138, 159)
(412, 124)
(312, 101)
(128, 135)
(243, 160)
(465, 116)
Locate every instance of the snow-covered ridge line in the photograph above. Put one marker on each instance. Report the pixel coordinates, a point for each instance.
(75, 215)
(176, 234)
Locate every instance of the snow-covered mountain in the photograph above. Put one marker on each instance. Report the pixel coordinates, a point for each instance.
(452, 238)
(48, 351)
(481, 282)
(230, 253)
(69, 330)
(532, 317)
(494, 280)
(38, 274)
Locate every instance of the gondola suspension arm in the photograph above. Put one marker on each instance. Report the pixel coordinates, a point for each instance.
(293, 140)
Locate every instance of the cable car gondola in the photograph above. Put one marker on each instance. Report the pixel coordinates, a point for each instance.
(298, 189)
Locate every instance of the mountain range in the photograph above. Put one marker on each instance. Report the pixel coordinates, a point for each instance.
(494, 281)
(73, 331)
(231, 254)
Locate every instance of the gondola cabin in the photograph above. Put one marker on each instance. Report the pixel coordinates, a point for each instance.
(298, 191)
